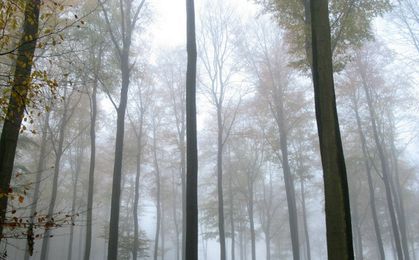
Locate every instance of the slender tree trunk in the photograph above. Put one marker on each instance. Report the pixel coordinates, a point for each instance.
(90, 187)
(17, 101)
(221, 228)
(79, 158)
(290, 192)
(231, 208)
(251, 219)
(39, 170)
(385, 171)
(371, 190)
(357, 232)
(338, 214)
(191, 240)
(306, 232)
(158, 204)
(119, 147)
(163, 237)
(399, 199)
(137, 188)
(175, 219)
(183, 181)
(58, 154)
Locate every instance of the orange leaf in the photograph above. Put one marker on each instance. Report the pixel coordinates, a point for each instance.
(21, 199)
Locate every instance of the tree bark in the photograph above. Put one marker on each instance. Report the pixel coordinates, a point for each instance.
(17, 101)
(337, 208)
(191, 240)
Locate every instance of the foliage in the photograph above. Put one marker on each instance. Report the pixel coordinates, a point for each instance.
(350, 25)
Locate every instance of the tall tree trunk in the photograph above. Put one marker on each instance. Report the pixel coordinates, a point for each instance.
(183, 182)
(119, 148)
(251, 218)
(58, 154)
(163, 237)
(90, 187)
(17, 101)
(137, 188)
(175, 218)
(371, 190)
(357, 231)
(399, 197)
(79, 158)
(39, 170)
(338, 213)
(290, 192)
(191, 240)
(158, 204)
(221, 229)
(306, 232)
(231, 208)
(385, 171)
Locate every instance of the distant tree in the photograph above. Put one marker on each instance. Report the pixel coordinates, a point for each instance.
(218, 33)
(121, 37)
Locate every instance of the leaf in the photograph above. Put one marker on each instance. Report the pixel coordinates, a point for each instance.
(21, 199)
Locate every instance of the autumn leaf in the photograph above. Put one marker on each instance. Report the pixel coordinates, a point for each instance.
(21, 199)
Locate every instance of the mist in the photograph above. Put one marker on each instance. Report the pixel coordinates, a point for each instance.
(239, 130)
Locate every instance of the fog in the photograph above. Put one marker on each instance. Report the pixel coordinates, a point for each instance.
(95, 95)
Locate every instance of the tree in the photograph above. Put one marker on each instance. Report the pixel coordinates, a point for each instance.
(338, 214)
(17, 101)
(217, 82)
(349, 25)
(191, 230)
(128, 21)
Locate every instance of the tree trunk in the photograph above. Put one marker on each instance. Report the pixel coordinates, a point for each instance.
(399, 198)
(380, 245)
(231, 208)
(306, 232)
(221, 228)
(79, 158)
(119, 147)
(58, 154)
(175, 220)
(137, 188)
(337, 209)
(385, 171)
(158, 204)
(90, 188)
(191, 240)
(251, 219)
(17, 101)
(39, 170)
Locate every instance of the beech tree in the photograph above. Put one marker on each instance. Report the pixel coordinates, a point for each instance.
(122, 40)
(17, 101)
(338, 213)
